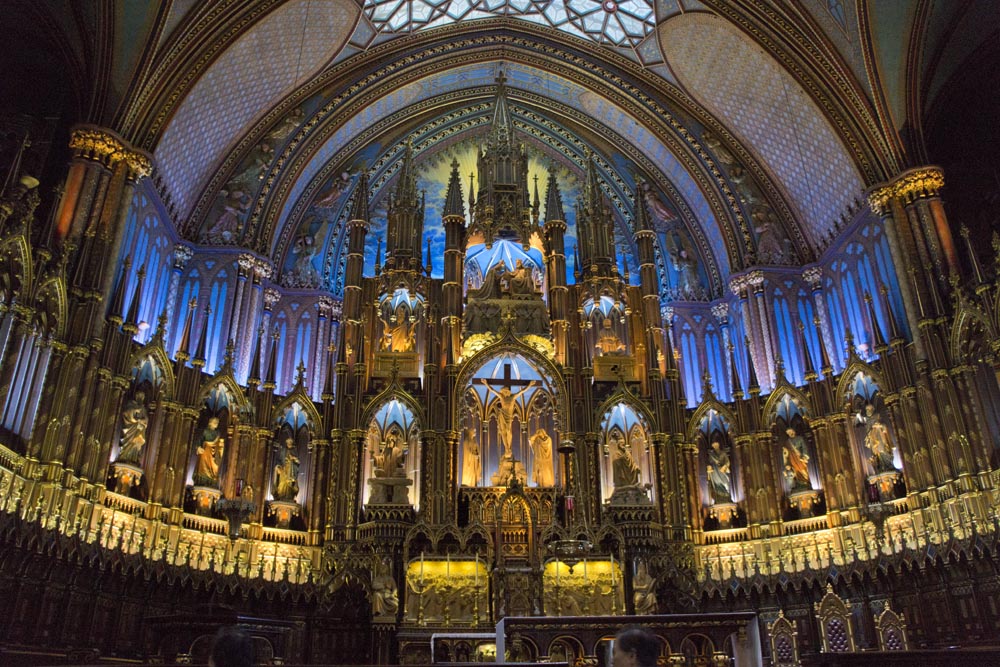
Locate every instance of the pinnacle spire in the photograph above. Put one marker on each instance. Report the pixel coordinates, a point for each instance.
(359, 210)
(453, 205)
(553, 200)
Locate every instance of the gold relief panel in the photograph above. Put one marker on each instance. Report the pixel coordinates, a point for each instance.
(447, 591)
(583, 588)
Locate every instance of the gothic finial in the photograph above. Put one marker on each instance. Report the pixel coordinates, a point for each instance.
(706, 386)
(973, 256)
(161, 327)
(736, 386)
(227, 359)
(753, 385)
(300, 374)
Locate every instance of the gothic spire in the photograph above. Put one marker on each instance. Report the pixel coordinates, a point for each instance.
(132, 319)
(359, 210)
(553, 200)
(453, 205)
(254, 378)
(642, 222)
(502, 130)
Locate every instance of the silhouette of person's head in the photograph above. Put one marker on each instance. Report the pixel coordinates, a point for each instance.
(231, 648)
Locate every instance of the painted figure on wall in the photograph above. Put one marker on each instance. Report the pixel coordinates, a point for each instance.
(286, 473)
(796, 461)
(719, 469)
(210, 450)
(135, 418)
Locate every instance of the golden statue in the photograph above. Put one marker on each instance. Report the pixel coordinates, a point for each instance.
(644, 591)
(472, 466)
(385, 595)
(624, 470)
(286, 474)
(389, 462)
(505, 398)
(541, 447)
(608, 342)
(399, 335)
(206, 470)
(878, 442)
(134, 422)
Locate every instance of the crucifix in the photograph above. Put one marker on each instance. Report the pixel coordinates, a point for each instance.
(506, 399)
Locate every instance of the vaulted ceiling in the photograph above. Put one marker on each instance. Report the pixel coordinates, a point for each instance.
(723, 108)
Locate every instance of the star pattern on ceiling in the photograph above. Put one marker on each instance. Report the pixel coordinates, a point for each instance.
(623, 23)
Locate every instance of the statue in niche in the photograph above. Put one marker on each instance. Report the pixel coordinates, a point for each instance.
(608, 341)
(235, 203)
(720, 480)
(303, 273)
(286, 474)
(389, 462)
(505, 400)
(399, 335)
(210, 450)
(877, 441)
(135, 419)
(491, 286)
(541, 447)
(520, 282)
(472, 466)
(796, 461)
(624, 470)
(385, 595)
(644, 591)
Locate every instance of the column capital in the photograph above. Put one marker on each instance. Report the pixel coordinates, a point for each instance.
(908, 186)
(813, 275)
(721, 312)
(245, 262)
(182, 255)
(271, 298)
(104, 146)
(262, 269)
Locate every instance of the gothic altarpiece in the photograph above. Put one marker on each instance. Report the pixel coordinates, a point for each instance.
(495, 443)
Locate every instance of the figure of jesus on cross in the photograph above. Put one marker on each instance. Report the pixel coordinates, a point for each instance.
(505, 400)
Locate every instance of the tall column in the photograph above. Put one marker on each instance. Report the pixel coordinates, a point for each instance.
(245, 347)
(764, 321)
(239, 324)
(181, 255)
(813, 276)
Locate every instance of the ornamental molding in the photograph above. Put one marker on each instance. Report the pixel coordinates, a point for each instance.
(919, 183)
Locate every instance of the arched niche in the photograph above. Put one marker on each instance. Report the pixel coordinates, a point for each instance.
(874, 439)
(288, 461)
(509, 425)
(399, 314)
(626, 463)
(607, 327)
(391, 456)
(719, 480)
(795, 458)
